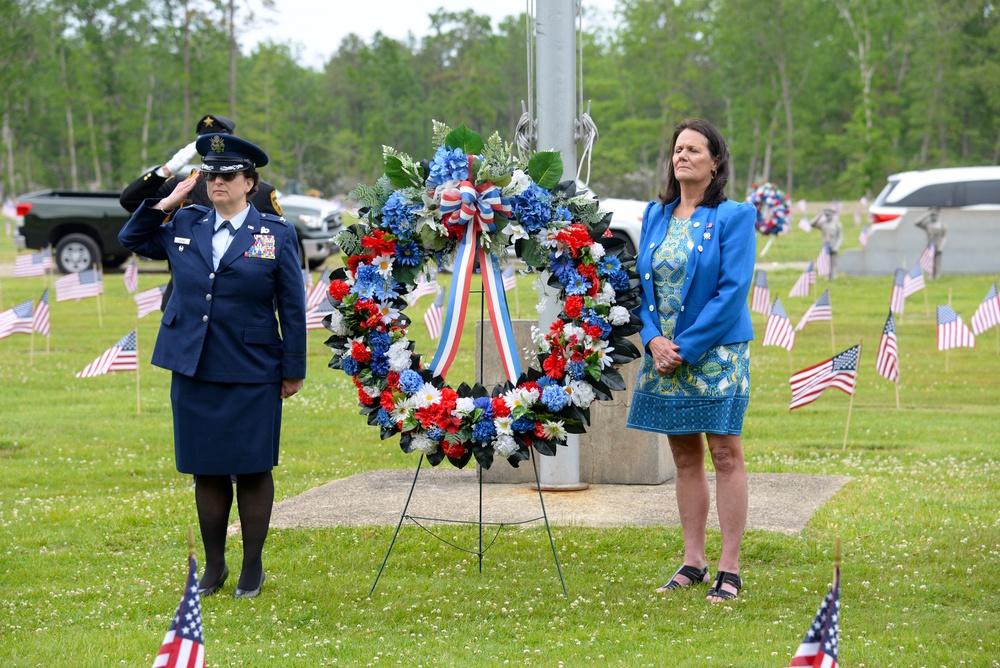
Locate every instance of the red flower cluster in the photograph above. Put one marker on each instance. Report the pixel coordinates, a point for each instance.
(378, 244)
(339, 289)
(574, 306)
(439, 414)
(575, 236)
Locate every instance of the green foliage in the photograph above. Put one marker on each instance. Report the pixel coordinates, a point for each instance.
(545, 168)
(465, 139)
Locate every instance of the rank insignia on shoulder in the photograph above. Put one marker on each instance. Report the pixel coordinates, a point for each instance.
(263, 247)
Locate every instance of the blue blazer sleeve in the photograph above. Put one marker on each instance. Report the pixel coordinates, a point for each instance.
(291, 306)
(143, 232)
(725, 316)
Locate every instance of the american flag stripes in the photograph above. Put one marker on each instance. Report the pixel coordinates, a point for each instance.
(760, 300)
(926, 260)
(41, 319)
(123, 356)
(913, 282)
(148, 301)
(32, 264)
(819, 648)
(779, 330)
(319, 291)
(184, 644)
(951, 331)
(78, 285)
(821, 310)
(422, 287)
(131, 276)
(887, 361)
(840, 371)
(866, 232)
(17, 319)
(314, 317)
(434, 315)
(801, 287)
(988, 313)
(509, 278)
(897, 300)
(823, 261)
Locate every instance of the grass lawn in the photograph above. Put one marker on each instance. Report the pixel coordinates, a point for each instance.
(95, 516)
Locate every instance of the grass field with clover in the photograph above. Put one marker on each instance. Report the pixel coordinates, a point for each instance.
(95, 517)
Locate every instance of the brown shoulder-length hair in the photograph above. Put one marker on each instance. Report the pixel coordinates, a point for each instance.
(252, 174)
(715, 192)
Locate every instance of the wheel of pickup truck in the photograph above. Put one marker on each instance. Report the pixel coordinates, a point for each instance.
(77, 252)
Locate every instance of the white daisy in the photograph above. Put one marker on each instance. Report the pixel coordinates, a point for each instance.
(503, 425)
(426, 396)
(554, 430)
(384, 265)
(389, 314)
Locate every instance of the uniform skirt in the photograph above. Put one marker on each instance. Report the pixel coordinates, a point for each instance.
(225, 428)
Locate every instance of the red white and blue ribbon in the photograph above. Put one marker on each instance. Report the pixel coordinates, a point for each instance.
(475, 207)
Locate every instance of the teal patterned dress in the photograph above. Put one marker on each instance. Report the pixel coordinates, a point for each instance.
(706, 395)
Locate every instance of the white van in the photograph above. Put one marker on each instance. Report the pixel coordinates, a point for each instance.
(970, 188)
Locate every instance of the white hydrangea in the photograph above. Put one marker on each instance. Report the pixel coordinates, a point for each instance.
(505, 446)
(580, 393)
(372, 391)
(399, 356)
(426, 396)
(421, 443)
(337, 323)
(606, 295)
(619, 315)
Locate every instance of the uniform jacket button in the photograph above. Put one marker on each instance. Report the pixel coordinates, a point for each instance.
(697, 224)
(208, 298)
(204, 318)
(211, 276)
(682, 308)
(652, 245)
(650, 307)
(699, 249)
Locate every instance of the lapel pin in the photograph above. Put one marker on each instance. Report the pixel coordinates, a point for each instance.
(707, 236)
(263, 230)
(707, 225)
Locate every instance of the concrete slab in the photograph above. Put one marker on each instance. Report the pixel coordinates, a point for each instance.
(778, 502)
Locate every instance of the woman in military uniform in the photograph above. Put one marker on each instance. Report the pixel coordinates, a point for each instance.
(233, 268)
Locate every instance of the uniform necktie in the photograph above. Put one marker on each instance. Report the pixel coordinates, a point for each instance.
(226, 225)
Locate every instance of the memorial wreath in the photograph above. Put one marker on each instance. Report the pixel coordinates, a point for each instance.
(773, 208)
(476, 200)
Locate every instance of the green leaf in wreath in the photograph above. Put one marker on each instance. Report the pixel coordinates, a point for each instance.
(546, 168)
(463, 138)
(534, 254)
(405, 273)
(399, 176)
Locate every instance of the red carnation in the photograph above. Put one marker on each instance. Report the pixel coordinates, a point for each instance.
(386, 401)
(589, 272)
(355, 260)
(574, 306)
(539, 429)
(500, 408)
(360, 353)
(378, 244)
(392, 379)
(593, 330)
(453, 450)
(575, 237)
(364, 398)
(339, 289)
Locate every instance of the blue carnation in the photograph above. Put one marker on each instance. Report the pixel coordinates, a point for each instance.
(368, 279)
(435, 433)
(379, 363)
(485, 405)
(619, 281)
(379, 340)
(608, 265)
(410, 381)
(408, 253)
(449, 164)
(533, 208)
(484, 431)
(349, 365)
(554, 397)
(576, 370)
(523, 424)
(384, 418)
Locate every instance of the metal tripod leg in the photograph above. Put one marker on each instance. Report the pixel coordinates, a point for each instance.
(402, 516)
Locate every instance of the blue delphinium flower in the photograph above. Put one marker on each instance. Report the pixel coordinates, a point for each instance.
(410, 381)
(449, 164)
(608, 265)
(533, 208)
(397, 215)
(554, 397)
(484, 431)
(523, 424)
(384, 418)
(576, 370)
(408, 253)
(349, 365)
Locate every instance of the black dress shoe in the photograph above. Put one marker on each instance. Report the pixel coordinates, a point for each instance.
(249, 593)
(208, 591)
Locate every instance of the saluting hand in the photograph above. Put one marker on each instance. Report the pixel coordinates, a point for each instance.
(289, 386)
(180, 193)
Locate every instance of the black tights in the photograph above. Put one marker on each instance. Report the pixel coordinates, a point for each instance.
(254, 498)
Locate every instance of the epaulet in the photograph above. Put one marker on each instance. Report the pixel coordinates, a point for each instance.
(271, 218)
(197, 207)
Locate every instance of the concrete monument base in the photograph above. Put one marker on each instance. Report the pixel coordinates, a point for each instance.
(609, 453)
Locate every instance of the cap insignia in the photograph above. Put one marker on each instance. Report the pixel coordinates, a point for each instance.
(218, 144)
(209, 121)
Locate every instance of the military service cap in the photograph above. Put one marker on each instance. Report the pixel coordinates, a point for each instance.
(211, 124)
(227, 153)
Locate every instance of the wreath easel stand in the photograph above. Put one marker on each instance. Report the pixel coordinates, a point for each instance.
(417, 519)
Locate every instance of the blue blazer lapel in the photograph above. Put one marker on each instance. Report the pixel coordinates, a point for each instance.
(701, 215)
(202, 232)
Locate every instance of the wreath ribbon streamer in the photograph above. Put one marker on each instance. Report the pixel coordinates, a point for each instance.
(474, 207)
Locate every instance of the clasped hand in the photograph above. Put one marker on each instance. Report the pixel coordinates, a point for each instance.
(665, 355)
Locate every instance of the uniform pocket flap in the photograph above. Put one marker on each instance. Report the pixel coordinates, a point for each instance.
(168, 317)
(261, 335)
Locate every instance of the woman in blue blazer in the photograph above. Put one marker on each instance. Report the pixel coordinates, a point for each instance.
(695, 263)
(233, 358)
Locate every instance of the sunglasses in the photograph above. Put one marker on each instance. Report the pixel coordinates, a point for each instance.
(228, 177)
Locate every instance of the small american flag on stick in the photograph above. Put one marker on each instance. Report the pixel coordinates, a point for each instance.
(17, 319)
(32, 264)
(41, 321)
(951, 331)
(131, 276)
(840, 371)
(806, 280)
(422, 287)
(819, 311)
(319, 291)
(913, 282)
(760, 296)
(509, 278)
(314, 317)
(184, 644)
(866, 232)
(434, 315)
(78, 285)
(823, 261)
(149, 300)
(819, 648)
(779, 330)
(123, 356)
(988, 313)
(887, 361)
(926, 260)
(897, 300)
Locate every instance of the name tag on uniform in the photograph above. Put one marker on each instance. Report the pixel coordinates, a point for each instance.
(182, 240)
(263, 247)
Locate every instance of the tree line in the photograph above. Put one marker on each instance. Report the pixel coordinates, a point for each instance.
(822, 97)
